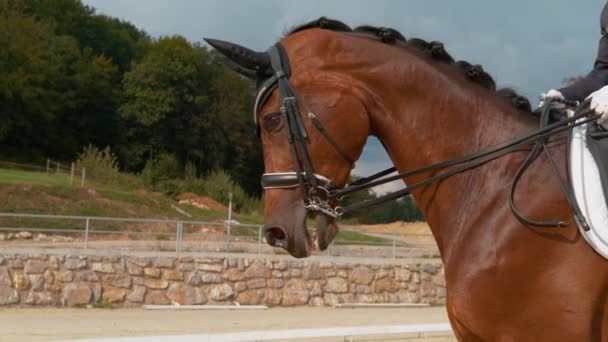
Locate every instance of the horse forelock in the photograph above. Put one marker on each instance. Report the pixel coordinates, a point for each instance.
(434, 50)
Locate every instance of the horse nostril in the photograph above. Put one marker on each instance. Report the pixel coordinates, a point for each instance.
(276, 237)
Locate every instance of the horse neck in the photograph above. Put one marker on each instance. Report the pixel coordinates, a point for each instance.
(424, 115)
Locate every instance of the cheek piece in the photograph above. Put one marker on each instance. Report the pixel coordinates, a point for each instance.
(315, 188)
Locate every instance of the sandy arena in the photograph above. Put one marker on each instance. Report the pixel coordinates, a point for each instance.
(19, 324)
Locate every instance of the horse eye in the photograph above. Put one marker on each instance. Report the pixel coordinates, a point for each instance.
(272, 121)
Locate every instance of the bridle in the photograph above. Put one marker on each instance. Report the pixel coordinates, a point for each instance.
(320, 193)
(316, 189)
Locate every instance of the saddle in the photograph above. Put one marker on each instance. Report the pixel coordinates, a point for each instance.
(588, 178)
(597, 143)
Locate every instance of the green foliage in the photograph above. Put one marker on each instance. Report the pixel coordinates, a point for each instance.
(73, 78)
(218, 184)
(101, 166)
(163, 168)
(403, 209)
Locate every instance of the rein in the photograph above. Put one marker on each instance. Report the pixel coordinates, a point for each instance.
(319, 192)
(581, 116)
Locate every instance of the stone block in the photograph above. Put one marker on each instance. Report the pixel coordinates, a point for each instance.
(102, 267)
(141, 261)
(210, 267)
(312, 271)
(387, 285)
(75, 263)
(8, 295)
(240, 286)
(40, 298)
(157, 284)
(295, 293)
(157, 298)
(402, 274)
(256, 283)
(134, 269)
(233, 274)
(36, 266)
(336, 285)
(361, 275)
(221, 292)
(162, 262)
(185, 267)
(250, 297)
(20, 281)
(74, 294)
(5, 277)
(122, 280)
(211, 278)
(113, 295)
(88, 275)
(138, 294)
(258, 270)
(173, 275)
(194, 278)
(186, 295)
(152, 272)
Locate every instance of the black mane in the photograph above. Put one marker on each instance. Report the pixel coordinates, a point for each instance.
(434, 50)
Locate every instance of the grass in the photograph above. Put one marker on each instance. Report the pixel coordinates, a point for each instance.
(39, 192)
(17, 177)
(353, 237)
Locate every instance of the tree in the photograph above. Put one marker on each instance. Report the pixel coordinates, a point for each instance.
(167, 97)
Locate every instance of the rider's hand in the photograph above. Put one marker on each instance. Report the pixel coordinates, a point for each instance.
(551, 94)
(599, 103)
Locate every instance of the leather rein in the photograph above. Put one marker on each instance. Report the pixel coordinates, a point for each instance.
(320, 193)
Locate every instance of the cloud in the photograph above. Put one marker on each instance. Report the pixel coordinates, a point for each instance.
(529, 45)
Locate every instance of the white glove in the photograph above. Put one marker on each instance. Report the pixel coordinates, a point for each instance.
(599, 103)
(551, 94)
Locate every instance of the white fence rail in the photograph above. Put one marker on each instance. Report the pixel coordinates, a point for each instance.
(227, 234)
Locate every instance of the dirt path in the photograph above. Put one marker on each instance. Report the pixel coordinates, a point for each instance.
(61, 324)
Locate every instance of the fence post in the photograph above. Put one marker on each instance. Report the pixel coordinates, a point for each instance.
(229, 221)
(394, 248)
(178, 237)
(48, 165)
(57, 167)
(86, 234)
(260, 239)
(72, 174)
(84, 172)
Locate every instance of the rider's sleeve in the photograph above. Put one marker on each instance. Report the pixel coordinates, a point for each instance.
(598, 77)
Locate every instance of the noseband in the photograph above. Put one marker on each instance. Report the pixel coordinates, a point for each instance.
(315, 188)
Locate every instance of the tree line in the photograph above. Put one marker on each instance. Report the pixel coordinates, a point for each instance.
(70, 78)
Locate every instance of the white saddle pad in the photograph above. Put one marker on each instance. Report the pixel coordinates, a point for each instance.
(589, 192)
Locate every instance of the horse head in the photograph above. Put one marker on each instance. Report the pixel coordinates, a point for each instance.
(313, 127)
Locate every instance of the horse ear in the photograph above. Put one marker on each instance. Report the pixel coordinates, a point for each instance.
(241, 59)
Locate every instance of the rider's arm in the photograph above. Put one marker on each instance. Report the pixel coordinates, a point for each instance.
(598, 77)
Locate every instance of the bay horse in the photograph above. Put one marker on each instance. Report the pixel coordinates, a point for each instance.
(505, 281)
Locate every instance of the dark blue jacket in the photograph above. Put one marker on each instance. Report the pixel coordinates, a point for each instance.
(598, 77)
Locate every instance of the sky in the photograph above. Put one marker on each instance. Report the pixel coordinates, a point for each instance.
(528, 45)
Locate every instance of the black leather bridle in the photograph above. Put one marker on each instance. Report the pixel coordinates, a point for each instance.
(315, 188)
(320, 192)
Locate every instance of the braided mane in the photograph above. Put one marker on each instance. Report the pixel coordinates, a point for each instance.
(434, 50)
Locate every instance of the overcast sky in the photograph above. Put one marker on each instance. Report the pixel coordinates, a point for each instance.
(531, 45)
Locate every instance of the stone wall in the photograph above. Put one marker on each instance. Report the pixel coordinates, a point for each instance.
(130, 281)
